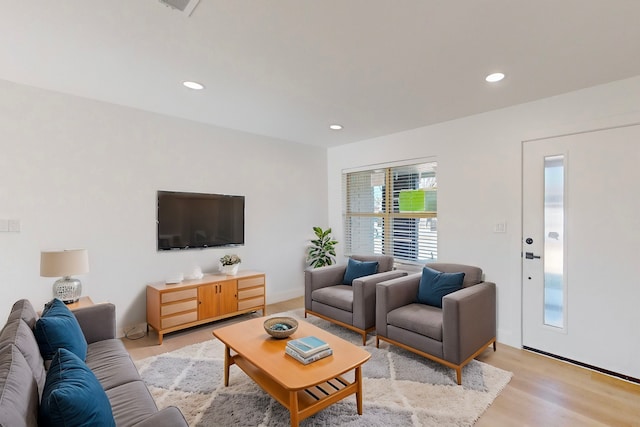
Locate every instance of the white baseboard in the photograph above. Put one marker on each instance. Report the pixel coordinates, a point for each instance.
(507, 337)
(285, 296)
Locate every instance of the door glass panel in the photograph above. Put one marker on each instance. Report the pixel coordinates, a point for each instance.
(554, 298)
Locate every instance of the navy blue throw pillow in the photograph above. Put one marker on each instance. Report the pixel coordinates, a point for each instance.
(434, 285)
(357, 269)
(73, 395)
(59, 328)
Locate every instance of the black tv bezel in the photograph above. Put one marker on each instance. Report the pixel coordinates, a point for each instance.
(200, 247)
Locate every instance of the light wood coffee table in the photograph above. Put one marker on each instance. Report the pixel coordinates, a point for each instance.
(302, 389)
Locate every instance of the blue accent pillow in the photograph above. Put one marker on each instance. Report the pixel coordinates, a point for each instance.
(72, 395)
(434, 285)
(59, 328)
(357, 269)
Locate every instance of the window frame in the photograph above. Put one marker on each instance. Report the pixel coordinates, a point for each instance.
(388, 215)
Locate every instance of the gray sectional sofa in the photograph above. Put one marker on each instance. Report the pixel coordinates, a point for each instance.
(23, 374)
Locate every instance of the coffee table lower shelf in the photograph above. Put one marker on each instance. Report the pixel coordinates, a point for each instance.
(306, 402)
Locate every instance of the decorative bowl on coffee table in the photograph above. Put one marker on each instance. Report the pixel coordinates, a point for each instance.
(280, 327)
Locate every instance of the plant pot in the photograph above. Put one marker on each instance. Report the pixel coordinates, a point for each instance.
(230, 270)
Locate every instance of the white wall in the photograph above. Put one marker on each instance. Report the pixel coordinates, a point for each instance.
(479, 177)
(80, 173)
(84, 174)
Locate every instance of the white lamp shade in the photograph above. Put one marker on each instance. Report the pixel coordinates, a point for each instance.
(64, 263)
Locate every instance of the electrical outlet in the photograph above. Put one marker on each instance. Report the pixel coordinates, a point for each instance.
(14, 225)
(500, 227)
(4, 225)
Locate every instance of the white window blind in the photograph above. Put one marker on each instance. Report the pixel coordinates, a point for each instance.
(392, 211)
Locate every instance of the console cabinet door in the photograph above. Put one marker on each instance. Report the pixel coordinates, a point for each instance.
(208, 303)
(229, 297)
(217, 299)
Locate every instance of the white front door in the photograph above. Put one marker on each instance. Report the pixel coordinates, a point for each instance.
(581, 248)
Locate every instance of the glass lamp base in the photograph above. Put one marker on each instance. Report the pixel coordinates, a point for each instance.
(67, 289)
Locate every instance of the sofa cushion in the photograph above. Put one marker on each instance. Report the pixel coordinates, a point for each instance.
(357, 269)
(166, 417)
(434, 285)
(472, 274)
(110, 363)
(22, 309)
(18, 333)
(58, 328)
(72, 394)
(340, 296)
(18, 390)
(131, 403)
(385, 262)
(419, 318)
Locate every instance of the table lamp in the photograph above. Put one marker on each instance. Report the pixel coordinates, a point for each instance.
(64, 264)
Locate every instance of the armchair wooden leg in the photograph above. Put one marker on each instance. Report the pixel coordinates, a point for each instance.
(459, 375)
(377, 342)
(364, 339)
(494, 346)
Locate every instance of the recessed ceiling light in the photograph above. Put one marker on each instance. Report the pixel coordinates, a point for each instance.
(193, 85)
(495, 77)
(335, 127)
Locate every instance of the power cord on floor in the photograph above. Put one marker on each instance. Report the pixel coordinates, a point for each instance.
(135, 336)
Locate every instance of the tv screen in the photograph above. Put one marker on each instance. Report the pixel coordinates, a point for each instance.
(195, 220)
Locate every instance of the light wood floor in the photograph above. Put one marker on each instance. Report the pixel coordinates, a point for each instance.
(542, 392)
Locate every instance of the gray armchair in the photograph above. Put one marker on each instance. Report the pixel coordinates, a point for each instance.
(351, 306)
(452, 335)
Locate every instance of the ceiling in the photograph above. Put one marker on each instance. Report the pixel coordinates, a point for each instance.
(289, 68)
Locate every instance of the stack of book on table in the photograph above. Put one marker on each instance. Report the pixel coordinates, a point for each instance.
(308, 349)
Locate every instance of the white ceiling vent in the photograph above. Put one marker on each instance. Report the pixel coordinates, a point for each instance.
(185, 6)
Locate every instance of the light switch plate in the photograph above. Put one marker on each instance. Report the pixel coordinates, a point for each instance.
(4, 225)
(14, 225)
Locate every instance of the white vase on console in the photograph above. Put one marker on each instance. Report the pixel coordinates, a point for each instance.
(230, 270)
(229, 264)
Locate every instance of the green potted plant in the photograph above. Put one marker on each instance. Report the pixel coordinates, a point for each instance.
(229, 264)
(322, 250)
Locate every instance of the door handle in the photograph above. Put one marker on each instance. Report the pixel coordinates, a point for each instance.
(530, 255)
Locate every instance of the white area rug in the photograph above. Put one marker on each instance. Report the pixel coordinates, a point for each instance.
(400, 389)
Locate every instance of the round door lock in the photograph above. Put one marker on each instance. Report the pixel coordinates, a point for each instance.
(529, 240)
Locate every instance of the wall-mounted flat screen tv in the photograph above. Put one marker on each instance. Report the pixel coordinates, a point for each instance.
(196, 220)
